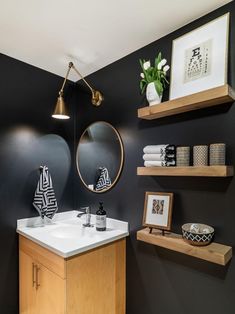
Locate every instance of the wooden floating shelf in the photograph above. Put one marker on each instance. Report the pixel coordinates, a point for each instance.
(208, 98)
(209, 171)
(214, 252)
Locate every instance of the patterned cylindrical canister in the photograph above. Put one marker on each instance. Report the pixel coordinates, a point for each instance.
(183, 156)
(217, 154)
(200, 155)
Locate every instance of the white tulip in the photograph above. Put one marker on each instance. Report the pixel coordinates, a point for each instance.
(166, 68)
(146, 65)
(142, 75)
(163, 62)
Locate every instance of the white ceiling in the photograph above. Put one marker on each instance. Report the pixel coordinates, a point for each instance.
(50, 33)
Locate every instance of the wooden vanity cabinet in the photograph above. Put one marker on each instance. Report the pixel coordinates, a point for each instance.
(92, 282)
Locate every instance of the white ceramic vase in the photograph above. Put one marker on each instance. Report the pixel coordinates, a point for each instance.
(152, 95)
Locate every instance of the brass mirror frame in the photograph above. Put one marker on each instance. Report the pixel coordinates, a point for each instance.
(121, 160)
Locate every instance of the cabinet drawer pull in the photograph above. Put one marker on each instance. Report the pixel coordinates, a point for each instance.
(33, 274)
(37, 277)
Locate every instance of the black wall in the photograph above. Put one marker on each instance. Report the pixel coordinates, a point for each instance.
(29, 137)
(158, 280)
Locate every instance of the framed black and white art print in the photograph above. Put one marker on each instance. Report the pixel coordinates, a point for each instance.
(199, 59)
(158, 210)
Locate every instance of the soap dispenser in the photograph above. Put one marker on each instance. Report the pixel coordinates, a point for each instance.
(101, 218)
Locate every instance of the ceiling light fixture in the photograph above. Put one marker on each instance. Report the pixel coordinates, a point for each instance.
(61, 111)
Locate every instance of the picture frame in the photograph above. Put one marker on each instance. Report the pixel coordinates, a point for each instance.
(200, 58)
(158, 210)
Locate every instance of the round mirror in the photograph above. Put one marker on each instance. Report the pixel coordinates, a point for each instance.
(99, 157)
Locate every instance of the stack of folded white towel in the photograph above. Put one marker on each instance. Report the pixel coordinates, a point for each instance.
(159, 155)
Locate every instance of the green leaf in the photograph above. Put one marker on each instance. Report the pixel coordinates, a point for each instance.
(143, 85)
(159, 87)
(141, 63)
(164, 79)
(148, 76)
(156, 62)
(143, 89)
(158, 59)
(160, 56)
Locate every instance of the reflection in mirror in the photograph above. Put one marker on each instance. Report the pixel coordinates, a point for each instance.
(99, 157)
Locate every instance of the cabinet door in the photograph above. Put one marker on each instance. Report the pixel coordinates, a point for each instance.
(27, 284)
(50, 292)
(96, 280)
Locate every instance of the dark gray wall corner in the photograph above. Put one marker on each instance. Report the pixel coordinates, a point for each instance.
(160, 281)
(29, 137)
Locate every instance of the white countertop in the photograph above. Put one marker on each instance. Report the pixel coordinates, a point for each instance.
(66, 236)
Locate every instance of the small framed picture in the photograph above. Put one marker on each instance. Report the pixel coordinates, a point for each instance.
(158, 210)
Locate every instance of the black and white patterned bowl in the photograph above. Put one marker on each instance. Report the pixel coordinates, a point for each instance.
(198, 238)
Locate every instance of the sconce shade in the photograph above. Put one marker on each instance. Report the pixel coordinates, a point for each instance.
(60, 111)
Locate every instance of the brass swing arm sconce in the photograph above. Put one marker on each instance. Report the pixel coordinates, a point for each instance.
(61, 111)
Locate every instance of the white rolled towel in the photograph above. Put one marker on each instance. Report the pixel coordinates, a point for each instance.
(159, 163)
(159, 157)
(159, 149)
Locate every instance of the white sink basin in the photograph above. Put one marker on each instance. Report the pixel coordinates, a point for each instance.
(64, 232)
(66, 235)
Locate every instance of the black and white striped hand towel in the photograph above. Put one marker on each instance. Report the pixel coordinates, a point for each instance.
(159, 149)
(159, 157)
(153, 163)
(104, 180)
(44, 198)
